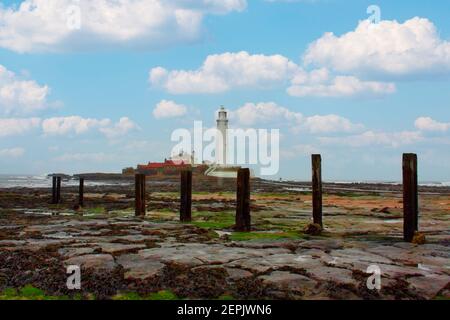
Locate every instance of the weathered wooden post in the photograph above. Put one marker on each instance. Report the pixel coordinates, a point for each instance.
(54, 190)
(317, 188)
(410, 197)
(143, 196)
(81, 193)
(243, 219)
(140, 207)
(137, 196)
(186, 196)
(58, 190)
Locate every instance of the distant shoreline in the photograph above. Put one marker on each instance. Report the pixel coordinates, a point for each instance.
(122, 177)
(120, 180)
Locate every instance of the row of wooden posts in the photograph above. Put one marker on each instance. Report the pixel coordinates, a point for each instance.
(243, 221)
(243, 217)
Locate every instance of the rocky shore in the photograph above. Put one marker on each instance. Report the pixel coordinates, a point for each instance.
(120, 254)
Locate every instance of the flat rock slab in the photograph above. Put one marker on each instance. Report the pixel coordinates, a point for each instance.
(70, 252)
(265, 263)
(199, 254)
(170, 252)
(429, 286)
(295, 284)
(360, 256)
(235, 274)
(336, 275)
(402, 272)
(138, 268)
(93, 262)
(118, 248)
(38, 244)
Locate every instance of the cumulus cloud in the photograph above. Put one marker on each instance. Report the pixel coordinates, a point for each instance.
(119, 129)
(389, 49)
(333, 66)
(76, 125)
(169, 109)
(429, 124)
(72, 125)
(330, 123)
(12, 153)
(319, 83)
(264, 112)
(42, 25)
(13, 126)
(222, 72)
(371, 138)
(270, 112)
(19, 96)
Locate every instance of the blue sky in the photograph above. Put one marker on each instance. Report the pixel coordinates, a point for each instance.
(360, 97)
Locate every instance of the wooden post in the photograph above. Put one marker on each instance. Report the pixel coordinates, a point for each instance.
(410, 197)
(81, 193)
(58, 190)
(186, 196)
(317, 188)
(54, 190)
(137, 197)
(243, 219)
(143, 196)
(140, 195)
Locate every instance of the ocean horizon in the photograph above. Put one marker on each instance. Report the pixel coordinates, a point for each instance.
(45, 181)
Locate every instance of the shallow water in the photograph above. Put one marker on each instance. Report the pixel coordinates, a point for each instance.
(43, 181)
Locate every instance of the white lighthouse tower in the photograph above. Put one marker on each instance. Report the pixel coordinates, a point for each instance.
(221, 139)
(222, 168)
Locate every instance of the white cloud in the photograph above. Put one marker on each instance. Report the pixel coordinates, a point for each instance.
(12, 153)
(227, 71)
(429, 124)
(42, 25)
(269, 112)
(12, 126)
(318, 83)
(169, 109)
(347, 66)
(389, 48)
(223, 72)
(330, 123)
(371, 138)
(119, 129)
(19, 96)
(71, 125)
(264, 112)
(76, 125)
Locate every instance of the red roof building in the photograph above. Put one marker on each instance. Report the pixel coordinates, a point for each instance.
(168, 167)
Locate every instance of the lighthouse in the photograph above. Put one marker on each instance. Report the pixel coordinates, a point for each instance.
(221, 139)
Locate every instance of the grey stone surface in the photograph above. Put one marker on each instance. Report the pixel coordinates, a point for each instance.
(70, 252)
(118, 248)
(299, 269)
(429, 286)
(93, 261)
(138, 268)
(289, 282)
(235, 274)
(337, 275)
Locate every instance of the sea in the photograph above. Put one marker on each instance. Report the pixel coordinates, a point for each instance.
(44, 181)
